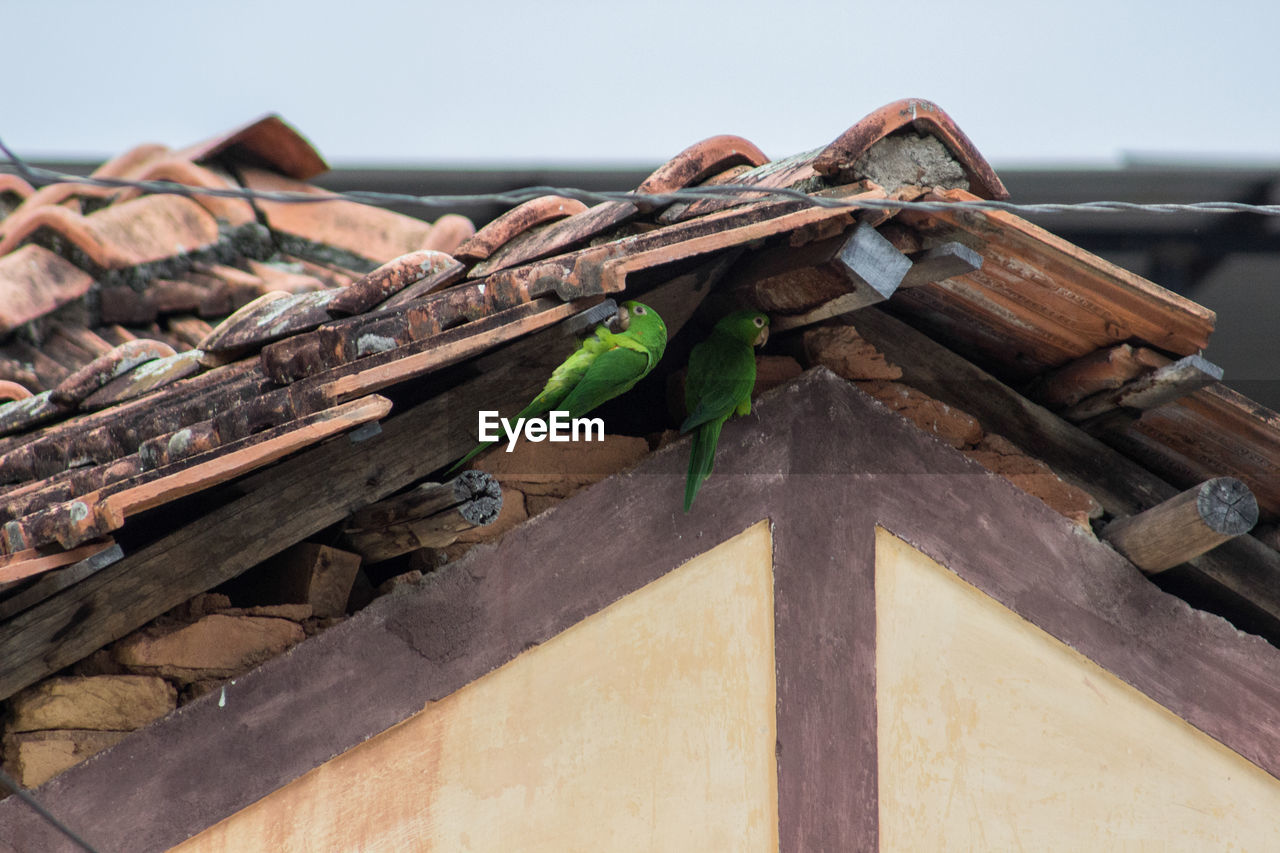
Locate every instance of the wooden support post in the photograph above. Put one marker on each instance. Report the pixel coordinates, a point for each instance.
(1185, 526)
(429, 516)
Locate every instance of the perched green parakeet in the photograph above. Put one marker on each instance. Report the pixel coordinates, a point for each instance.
(722, 372)
(603, 366)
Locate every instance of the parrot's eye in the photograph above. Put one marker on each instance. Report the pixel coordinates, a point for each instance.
(759, 322)
(639, 309)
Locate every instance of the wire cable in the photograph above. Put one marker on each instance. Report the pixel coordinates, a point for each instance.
(37, 176)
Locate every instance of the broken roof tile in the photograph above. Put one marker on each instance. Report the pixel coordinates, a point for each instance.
(35, 281)
(516, 221)
(839, 159)
(107, 367)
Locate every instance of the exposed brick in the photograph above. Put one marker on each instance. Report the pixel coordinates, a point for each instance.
(957, 428)
(399, 582)
(292, 612)
(535, 504)
(34, 758)
(559, 469)
(774, 370)
(102, 702)
(1001, 456)
(842, 350)
(218, 646)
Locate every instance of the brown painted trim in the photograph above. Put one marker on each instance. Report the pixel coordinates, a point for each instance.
(833, 464)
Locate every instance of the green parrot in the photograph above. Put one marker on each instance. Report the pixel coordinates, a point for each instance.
(603, 366)
(722, 372)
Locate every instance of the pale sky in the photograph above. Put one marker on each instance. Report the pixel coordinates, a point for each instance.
(396, 82)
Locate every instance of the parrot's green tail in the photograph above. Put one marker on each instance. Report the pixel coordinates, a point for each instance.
(701, 459)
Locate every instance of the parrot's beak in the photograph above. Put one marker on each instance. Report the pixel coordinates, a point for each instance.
(763, 337)
(621, 321)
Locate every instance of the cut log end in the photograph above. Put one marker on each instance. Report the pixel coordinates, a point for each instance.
(1227, 506)
(1185, 526)
(479, 497)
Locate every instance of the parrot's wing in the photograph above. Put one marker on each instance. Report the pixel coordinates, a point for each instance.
(721, 375)
(610, 374)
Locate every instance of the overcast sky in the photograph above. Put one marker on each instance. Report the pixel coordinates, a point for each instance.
(398, 82)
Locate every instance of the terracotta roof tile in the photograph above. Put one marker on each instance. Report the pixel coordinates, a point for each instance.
(106, 367)
(516, 221)
(22, 415)
(360, 231)
(125, 235)
(270, 142)
(702, 160)
(233, 211)
(144, 379)
(839, 159)
(270, 317)
(388, 280)
(10, 390)
(34, 282)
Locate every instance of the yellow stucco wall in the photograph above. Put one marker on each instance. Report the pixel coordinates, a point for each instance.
(993, 735)
(648, 726)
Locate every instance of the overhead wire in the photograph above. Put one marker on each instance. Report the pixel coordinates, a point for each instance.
(38, 176)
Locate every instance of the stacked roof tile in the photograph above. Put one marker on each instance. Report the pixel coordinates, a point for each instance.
(154, 345)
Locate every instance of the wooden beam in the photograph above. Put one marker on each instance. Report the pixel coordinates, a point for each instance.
(55, 581)
(1101, 370)
(1185, 526)
(34, 561)
(429, 516)
(859, 265)
(1162, 385)
(936, 264)
(940, 263)
(265, 513)
(1243, 565)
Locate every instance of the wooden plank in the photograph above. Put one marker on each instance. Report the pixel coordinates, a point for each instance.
(1243, 565)
(1050, 283)
(97, 513)
(1156, 388)
(57, 580)
(267, 512)
(32, 562)
(1185, 526)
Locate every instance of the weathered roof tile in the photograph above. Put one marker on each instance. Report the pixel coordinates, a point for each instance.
(34, 282)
